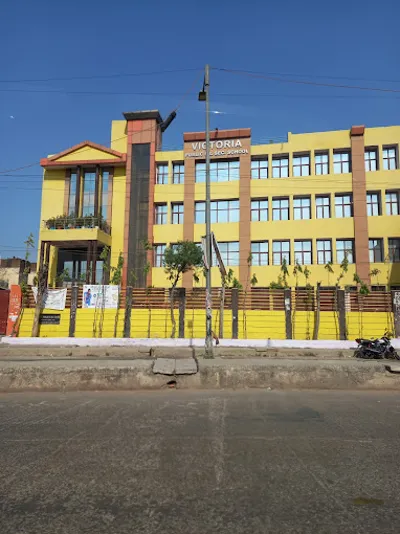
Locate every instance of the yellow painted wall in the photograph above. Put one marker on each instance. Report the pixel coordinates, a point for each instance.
(253, 324)
(87, 153)
(118, 135)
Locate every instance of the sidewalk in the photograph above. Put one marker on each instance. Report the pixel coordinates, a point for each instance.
(268, 373)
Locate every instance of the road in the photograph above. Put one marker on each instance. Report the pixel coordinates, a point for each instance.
(200, 462)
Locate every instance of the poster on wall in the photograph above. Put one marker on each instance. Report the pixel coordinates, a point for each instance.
(54, 299)
(98, 296)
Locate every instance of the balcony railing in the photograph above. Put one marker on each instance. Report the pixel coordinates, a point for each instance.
(70, 222)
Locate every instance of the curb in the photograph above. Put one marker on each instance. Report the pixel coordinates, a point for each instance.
(81, 375)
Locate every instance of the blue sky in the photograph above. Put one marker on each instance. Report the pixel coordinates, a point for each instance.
(346, 42)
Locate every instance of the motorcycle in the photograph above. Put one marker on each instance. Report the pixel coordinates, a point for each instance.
(376, 349)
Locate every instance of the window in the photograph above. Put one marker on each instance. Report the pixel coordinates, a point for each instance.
(259, 169)
(375, 250)
(302, 207)
(394, 249)
(104, 193)
(280, 252)
(324, 251)
(301, 165)
(229, 253)
(259, 210)
(389, 158)
(321, 163)
(178, 173)
(72, 193)
(323, 207)
(373, 204)
(220, 171)
(341, 162)
(302, 252)
(89, 189)
(159, 251)
(344, 205)
(392, 202)
(160, 214)
(280, 167)
(259, 253)
(371, 159)
(344, 248)
(162, 174)
(177, 213)
(280, 209)
(222, 211)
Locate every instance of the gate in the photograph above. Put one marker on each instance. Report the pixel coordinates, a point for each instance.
(4, 298)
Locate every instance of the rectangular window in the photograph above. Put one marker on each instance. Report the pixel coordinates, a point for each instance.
(301, 165)
(375, 250)
(373, 204)
(160, 214)
(177, 213)
(104, 193)
(323, 207)
(259, 253)
(324, 251)
(222, 211)
(229, 253)
(178, 173)
(389, 158)
(259, 169)
(303, 252)
(89, 189)
(321, 163)
(162, 174)
(371, 159)
(343, 205)
(302, 208)
(159, 251)
(341, 162)
(72, 193)
(392, 202)
(280, 167)
(259, 210)
(280, 209)
(280, 252)
(345, 248)
(220, 171)
(394, 249)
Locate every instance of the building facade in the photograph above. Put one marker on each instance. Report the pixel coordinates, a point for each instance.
(313, 200)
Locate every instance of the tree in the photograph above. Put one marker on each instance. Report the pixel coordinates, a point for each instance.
(184, 257)
(116, 279)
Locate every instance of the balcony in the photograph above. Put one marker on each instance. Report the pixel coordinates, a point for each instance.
(62, 230)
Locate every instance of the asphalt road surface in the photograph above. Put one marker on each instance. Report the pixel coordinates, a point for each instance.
(200, 462)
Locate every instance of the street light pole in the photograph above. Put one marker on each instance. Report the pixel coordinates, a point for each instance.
(209, 339)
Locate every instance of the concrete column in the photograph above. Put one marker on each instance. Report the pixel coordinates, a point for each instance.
(288, 313)
(72, 312)
(341, 310)
(396, 312)
(359, 203)
(128, 312)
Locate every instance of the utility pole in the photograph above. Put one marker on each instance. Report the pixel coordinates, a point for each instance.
(209, 338)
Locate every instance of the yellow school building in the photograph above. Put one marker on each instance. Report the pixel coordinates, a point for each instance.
(312, 200)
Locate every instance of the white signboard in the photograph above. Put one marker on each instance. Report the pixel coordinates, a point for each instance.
(227, 147)
(53, 299)
(98, 296)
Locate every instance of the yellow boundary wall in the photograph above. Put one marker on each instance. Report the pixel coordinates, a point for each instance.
(253, 324)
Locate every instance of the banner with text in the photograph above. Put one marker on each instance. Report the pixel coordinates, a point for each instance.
(98, 296)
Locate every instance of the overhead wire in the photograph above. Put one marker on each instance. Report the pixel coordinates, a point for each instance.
(260, 75)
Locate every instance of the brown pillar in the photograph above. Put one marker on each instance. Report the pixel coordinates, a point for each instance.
(94, 261)
(67, 186)
(88, 258)
(96, 193)
(244, 225)
(188, 209)
(360, 203)
(110, 195)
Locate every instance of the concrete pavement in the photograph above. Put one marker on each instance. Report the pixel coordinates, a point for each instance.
(115, 374)
(200, 463)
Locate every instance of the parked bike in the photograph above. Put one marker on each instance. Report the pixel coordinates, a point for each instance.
(376, 349)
